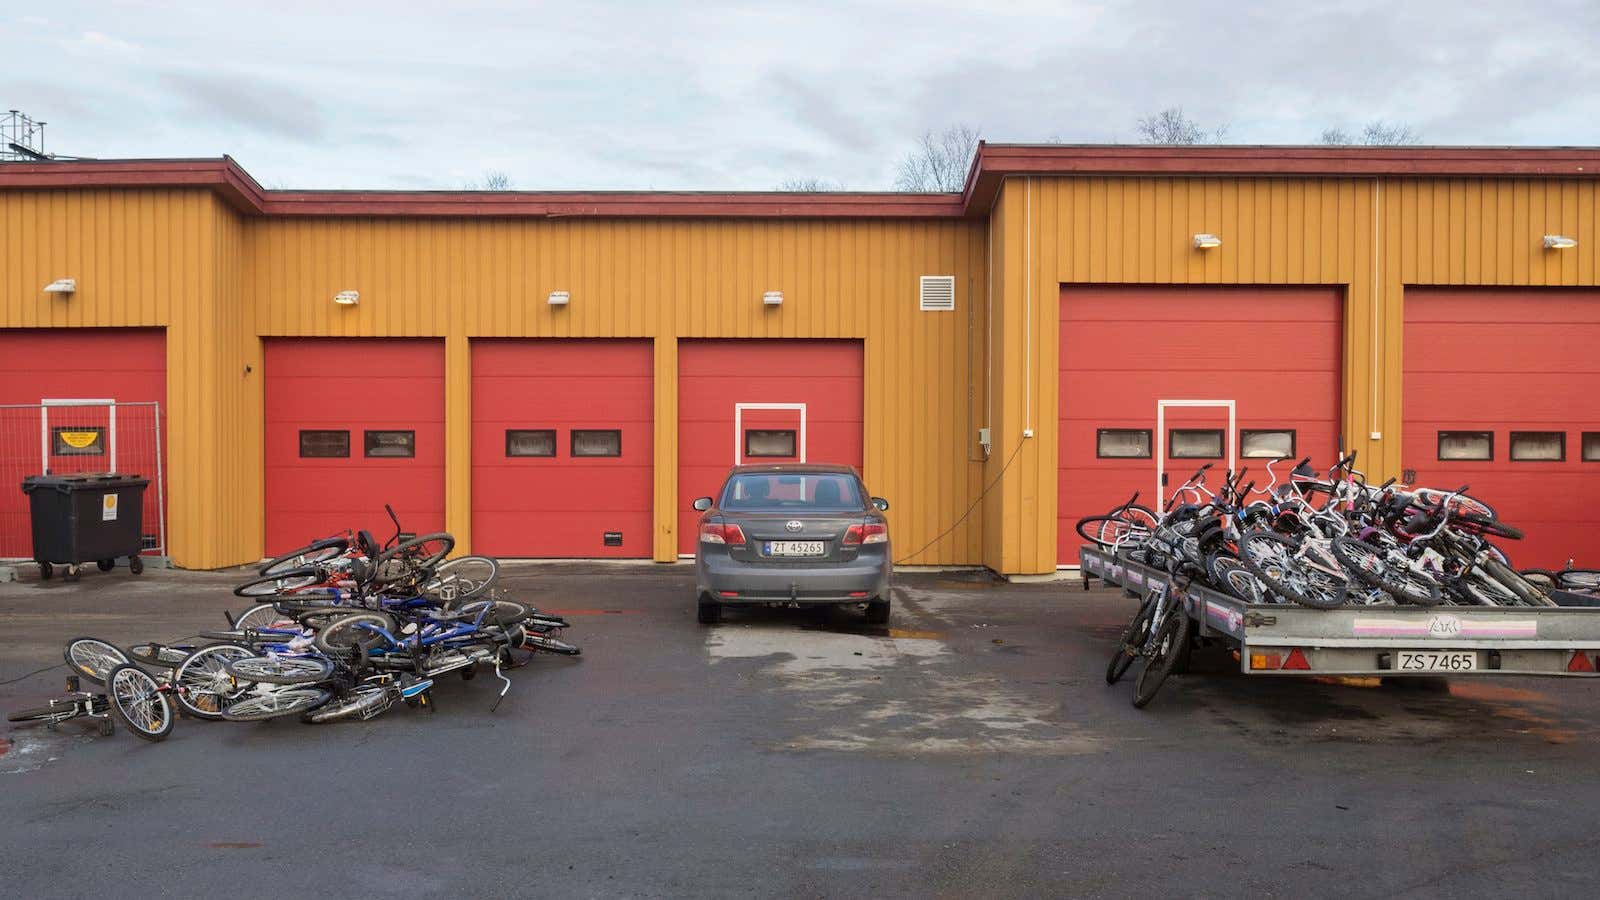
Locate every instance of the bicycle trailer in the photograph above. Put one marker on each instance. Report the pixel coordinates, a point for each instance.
(1382, 641)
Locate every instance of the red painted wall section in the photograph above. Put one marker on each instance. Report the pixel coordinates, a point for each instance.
(355, 385)
(715, 377)
(123, 364)
(1504, 361)
(1274, 351)
(562, 505)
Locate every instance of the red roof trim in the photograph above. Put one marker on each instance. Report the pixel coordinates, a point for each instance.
(990, 166)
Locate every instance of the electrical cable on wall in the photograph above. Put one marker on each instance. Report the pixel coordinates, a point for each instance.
(957, 524)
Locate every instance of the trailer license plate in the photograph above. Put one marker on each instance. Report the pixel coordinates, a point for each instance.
(794, 548)
(1437, 661)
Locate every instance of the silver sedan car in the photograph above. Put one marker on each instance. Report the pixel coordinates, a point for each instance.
(792, 535)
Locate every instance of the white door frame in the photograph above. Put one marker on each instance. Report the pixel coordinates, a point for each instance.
(1161, 437)
(738, 426)
(44, 429)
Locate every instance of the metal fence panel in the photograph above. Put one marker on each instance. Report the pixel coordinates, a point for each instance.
(75, 437)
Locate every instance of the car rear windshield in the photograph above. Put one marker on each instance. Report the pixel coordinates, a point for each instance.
(827, 490)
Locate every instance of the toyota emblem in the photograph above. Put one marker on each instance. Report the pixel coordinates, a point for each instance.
(794, 525)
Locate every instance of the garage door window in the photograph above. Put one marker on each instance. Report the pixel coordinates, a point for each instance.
(1591, 446)
(324, 444)
(530, 442)
(391, 443)
(1122, 443)
(769, 443)
(1538, 446)
(1195, 443)
(1266, 443)
(596, 442)
(1465, 446)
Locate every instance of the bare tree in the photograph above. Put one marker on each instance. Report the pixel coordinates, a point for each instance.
(1376, 133)
(492, 180)
(1171, 126)
(810, 185)
(939, 162)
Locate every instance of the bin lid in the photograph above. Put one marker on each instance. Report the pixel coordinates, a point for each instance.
(67, 484)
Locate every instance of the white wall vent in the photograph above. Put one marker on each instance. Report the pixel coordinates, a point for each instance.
(938, 293)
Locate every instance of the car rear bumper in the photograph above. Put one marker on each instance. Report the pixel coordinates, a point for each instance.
(853, 582)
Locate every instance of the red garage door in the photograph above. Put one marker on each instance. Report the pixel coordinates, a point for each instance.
(562, 448)
(1499, 393)
(1273, 352)
(762, 402)
(352, 425)
(125, 365)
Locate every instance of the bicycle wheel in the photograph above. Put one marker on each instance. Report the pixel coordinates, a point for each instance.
(93, 658)
(360, 631)
(1171, 644)
(138, 703)
(1372, 567)
(1133, 637)
(309, 555)
(275, 585)
(1542, 578)
(1272, 559)
(1111, 531)
(262, 615)
(1578, 579)
(415, 557)
(463, 578)
(158, 656)
(494, 612)
(271, 704)
(1231, 577)
(281, 669)
(203, 682)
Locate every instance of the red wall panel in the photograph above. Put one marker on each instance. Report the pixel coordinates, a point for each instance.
(1504, 360)
(1275, 352)
(562, 506)
(715, 376)
(123, 364)
(355, 385)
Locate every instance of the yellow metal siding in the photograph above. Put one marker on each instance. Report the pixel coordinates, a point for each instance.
(664, 280)
(1274, 231)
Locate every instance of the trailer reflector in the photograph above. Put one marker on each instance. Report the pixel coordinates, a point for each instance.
(1266, 661)
(1297, 660)
(1580, 662)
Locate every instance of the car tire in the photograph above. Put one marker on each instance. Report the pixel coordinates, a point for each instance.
(878, 612)
(709, 613)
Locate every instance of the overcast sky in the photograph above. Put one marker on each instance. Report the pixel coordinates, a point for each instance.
(709, 96)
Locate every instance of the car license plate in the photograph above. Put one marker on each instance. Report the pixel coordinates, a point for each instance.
(1437, 661)
(794, 548)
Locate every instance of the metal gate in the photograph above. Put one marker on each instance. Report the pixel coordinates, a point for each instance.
(73, 436)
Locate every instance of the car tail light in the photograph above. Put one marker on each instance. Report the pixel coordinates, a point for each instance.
(714, 533)
(870, 533)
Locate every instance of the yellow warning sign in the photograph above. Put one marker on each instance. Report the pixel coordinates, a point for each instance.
(78, 439)
(108, 508)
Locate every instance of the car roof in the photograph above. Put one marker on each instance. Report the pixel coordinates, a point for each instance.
(793, 469)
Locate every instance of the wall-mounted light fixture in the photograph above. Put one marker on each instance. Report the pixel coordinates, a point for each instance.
(67, 286)
(1559, 242)
(772, 298)
(1205, 241)
(560, 298)
(347, 298)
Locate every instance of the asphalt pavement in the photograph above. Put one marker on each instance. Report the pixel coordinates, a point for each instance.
(971, 748)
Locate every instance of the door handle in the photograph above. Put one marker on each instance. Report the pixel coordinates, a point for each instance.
(1163, 479)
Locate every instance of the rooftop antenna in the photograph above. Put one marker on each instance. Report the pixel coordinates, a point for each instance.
(21, 138)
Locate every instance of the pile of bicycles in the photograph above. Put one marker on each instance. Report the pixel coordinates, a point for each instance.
(343, 628)
(1328, 540)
